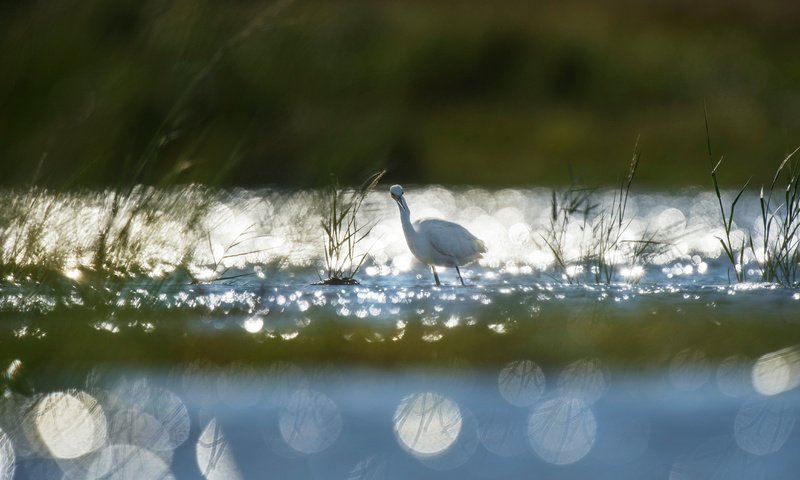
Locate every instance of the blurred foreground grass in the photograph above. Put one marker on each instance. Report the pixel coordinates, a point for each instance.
(623, 339)
(472, 92)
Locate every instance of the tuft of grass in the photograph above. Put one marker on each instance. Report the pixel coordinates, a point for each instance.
(125, 232)
(131, 217)
(343, 231)
(221, 264)
(605, 225)
(572, 203)
(641, 252)
(24, 214)
(778, 252)
(610, 227)
(23, 229)
(734, 253)
(779, 259)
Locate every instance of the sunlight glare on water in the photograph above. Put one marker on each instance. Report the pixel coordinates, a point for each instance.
(586, 379)
(763, 424)
(70, 424)
(521, 383)
(562, 430)
(460, 451)
(777, 372)
(310, 422)
(7, 457)
(127, 462)
(231, 359)
(214, 456)
(427, 424)
(253, 324)
(156, 418)
(156, 230)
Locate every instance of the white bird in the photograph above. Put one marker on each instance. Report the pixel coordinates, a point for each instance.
(437, 243)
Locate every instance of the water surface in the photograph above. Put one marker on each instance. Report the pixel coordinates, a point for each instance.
(206, 350)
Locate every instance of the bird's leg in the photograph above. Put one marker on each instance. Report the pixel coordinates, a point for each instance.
(435, 276)
(459, 276)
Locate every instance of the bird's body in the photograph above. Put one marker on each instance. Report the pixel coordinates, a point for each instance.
(435, 242)
(442, 243)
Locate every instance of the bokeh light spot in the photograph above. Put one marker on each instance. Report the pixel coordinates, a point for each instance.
(128, 462)
(733, 376)
(214, 456)
(310, 421)
(7, 457)
(586, 379)
(689, 369)
(562, 430)
(521, 383)
(70, 424)
(777, 372)
(763, 424)
(427, 424)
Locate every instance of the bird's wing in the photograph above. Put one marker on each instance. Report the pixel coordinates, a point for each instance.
(451, 239)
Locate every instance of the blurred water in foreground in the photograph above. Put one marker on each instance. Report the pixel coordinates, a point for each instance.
(355, 423)
(204, 350)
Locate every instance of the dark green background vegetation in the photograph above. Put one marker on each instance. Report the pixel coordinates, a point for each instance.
(97, 92)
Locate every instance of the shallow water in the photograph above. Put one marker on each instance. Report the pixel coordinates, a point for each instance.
(668, 372)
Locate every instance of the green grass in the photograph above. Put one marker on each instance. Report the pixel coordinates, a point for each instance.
(733, 251)
(777, 255)
(142, 235)
(220, 264)
(603, 227)
(136, 195)
(610, 226)
(344, 231)
(23, 225)
(564, 206)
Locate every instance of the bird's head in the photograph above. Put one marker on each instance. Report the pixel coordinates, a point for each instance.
(397, 195)
(396, 191)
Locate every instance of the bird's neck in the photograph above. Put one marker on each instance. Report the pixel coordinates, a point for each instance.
(405, 218)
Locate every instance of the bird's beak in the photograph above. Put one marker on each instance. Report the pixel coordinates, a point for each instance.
(400, 202)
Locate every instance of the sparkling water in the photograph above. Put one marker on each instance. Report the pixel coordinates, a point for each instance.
(183, 333)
